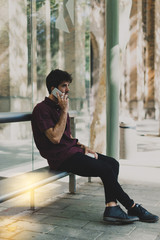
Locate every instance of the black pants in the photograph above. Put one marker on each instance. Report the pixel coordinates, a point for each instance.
(106, 168)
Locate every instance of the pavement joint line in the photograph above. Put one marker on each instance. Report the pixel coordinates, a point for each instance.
(13, 218)
(132, 230)
(99, 235)
(156, 204)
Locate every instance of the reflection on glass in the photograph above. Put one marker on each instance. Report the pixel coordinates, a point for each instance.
(38, 36)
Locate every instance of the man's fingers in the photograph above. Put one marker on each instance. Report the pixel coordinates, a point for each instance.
(58, 96)
(85, 150)
(66, 97)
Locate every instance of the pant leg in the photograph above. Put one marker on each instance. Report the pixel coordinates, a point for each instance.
(86, 166)
(113, 163)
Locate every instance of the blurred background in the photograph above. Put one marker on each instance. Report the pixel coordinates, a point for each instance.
(37, 36)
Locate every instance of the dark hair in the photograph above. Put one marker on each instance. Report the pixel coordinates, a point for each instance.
(56, 77)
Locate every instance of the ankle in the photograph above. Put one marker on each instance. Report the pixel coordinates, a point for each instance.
(133, 205)
(111, 204)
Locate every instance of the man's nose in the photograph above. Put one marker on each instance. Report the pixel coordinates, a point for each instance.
(68, 89)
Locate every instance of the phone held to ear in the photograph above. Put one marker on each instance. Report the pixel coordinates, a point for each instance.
(55, 90)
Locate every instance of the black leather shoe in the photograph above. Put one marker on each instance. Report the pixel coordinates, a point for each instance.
(143, 214)
(116, 215)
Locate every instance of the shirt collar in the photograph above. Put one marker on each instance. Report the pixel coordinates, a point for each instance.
(51, 103)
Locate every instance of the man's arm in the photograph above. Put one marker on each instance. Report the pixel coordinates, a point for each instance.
(55, 134)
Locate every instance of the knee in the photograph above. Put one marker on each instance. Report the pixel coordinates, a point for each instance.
(107, 171)
(116, 165)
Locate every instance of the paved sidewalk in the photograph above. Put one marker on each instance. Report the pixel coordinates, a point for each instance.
(78, 216)
(63, 216)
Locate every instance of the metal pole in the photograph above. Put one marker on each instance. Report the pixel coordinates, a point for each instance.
(112, 81)
(72, 183)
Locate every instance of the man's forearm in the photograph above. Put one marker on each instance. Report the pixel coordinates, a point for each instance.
(61, 125)
(55, 134)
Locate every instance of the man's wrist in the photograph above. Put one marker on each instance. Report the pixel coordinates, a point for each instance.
(64, 111)
(82, 146)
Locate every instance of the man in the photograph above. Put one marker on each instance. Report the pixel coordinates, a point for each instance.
(52, 135)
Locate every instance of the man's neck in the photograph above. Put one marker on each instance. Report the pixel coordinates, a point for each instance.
(53, 98)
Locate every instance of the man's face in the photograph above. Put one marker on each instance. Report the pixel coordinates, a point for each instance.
(64, 87)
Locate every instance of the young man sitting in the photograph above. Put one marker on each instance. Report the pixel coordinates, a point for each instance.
(52, 135)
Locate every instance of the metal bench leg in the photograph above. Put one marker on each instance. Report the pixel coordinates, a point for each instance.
(72, 183)
(32, 205)
(89, 179)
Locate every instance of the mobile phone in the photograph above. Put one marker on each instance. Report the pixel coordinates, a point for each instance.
(90, 155)
(55, 90)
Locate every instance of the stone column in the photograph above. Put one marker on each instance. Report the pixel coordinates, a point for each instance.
(98, 77)
(14, 56)
(133, 59)
(74, 52)
(4, 57)
(157, 62)
(140, 64)
(124, 36)
(150, 58)
(18, 56)
(34, 51)
(48, 47)
(136, 64)
(80, 61)
(98, 124)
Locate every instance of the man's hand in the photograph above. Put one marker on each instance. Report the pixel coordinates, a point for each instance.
(55, 133)
(88, 150)
(63, 102)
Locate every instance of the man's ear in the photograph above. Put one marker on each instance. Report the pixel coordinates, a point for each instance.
(52, 88)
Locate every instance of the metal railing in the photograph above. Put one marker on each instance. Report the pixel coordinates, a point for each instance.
(9, 117)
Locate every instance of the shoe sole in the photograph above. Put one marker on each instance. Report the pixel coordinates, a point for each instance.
(149, 221)
(119, 221)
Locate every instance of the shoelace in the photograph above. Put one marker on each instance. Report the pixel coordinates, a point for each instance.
(140, 208)
(122, 214)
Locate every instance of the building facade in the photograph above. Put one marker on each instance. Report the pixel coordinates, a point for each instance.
(37, 36)
(140, 60)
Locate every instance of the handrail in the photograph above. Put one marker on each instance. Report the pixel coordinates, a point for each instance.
(8, 117)
(32, 186)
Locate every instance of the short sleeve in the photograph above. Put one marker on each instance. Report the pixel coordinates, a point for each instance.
(44, 119)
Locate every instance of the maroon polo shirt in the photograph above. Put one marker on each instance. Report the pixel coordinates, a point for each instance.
(45, 115)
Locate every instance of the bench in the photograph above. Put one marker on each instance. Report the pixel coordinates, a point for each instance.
(14, 186)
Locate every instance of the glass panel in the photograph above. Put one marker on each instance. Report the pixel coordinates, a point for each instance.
(16, 88)
(15, 149)
(35, 37)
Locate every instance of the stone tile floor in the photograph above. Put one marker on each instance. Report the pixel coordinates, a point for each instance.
(60, 215)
